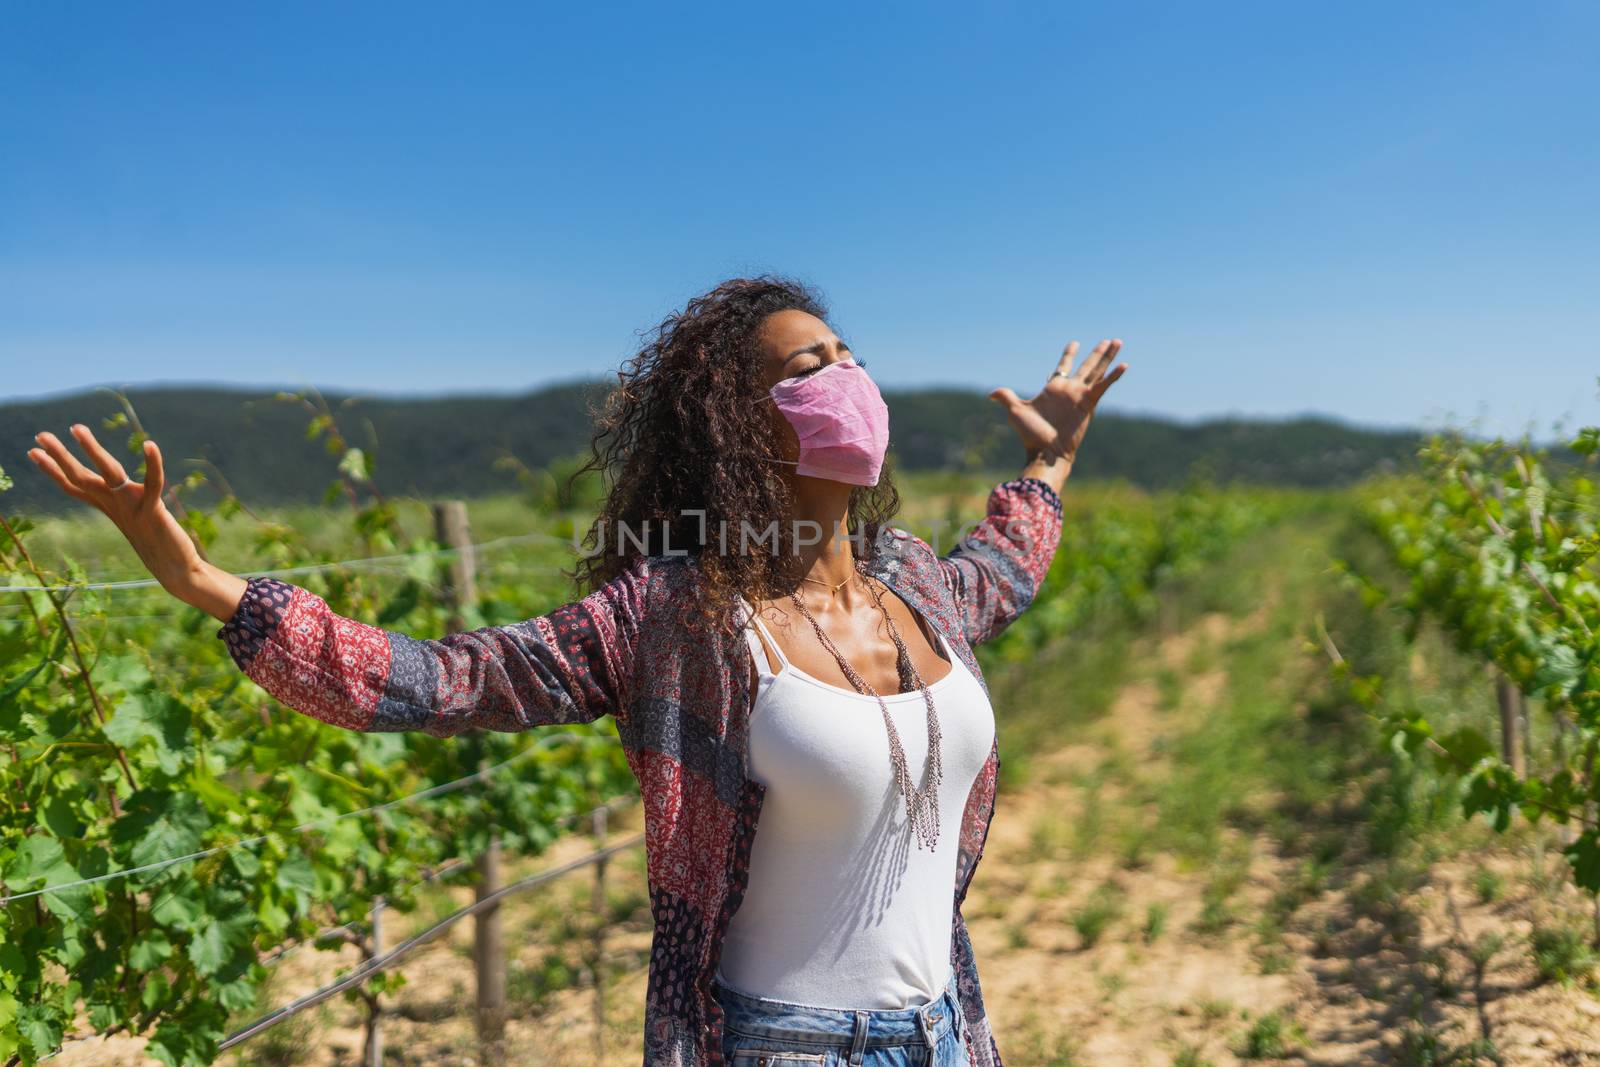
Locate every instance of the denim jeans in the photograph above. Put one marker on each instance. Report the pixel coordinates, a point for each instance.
(776, 1033)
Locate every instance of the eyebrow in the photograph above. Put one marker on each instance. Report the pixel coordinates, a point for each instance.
(816, 347)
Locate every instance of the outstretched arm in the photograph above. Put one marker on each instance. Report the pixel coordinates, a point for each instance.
(570, 665)
(567, 666)
(994, 571)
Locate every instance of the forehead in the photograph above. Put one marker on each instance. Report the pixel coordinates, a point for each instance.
(784, 331)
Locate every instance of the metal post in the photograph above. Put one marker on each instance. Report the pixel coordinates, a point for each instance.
(374, 1012)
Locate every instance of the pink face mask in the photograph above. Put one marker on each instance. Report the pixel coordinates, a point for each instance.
(841, 421)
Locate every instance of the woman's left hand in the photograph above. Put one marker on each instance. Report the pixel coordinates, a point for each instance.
(1055, 421)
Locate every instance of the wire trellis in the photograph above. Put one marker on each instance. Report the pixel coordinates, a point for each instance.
(313, 568)
(540, 745)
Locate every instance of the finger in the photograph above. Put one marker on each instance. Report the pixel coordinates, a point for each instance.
(1105, 383)
(1006, 397)
(1086, 372)
(155, 474)
(42, 459)
(110, 469)
(1096, 362)
(1109, 353)
(1065, 363)
(81, 477)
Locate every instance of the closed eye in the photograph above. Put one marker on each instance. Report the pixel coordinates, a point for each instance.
(818, 366)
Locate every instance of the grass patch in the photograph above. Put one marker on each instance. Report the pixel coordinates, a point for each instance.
(1190, 1056)
(1037, 1044)
(1270, 1037)
(1095, 917)
(1054, 698)
(1155, 922)
(1488, 883)
(1562, 954)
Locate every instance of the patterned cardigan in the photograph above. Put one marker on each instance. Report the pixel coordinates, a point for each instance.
(681, 704)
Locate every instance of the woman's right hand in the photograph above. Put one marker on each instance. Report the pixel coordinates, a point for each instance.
(137, 509)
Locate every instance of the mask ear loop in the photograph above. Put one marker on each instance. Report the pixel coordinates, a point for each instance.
(769, 398)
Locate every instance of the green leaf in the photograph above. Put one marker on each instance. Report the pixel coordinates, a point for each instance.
(1584, 856)
(158, 718)
(403, 603)
(1558, 667)
(42, 860)
(209, 946)
(161, 826)
(59, 817)
(61, 724)
(34, 859)
(12, 962)
(354, 465)
(149, 951)
(237, 996)
(297, 876)
(214, 794)
(170, 1044)
(273, 918)
(215, 940)
(103, 1015)
(1467, 745)
(176, 905)
(154, 989)
(9, 691)
(39, 1027)
(246, 862)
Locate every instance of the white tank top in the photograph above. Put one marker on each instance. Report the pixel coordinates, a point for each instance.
(843, 909)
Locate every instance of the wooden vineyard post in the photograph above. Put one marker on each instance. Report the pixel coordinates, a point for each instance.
(598, 906)
(461, 584)
(489, 955)
(1525, 721)
(1506, 695)
(488, 951)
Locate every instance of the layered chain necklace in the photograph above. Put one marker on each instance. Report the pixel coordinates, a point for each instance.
(922, 805)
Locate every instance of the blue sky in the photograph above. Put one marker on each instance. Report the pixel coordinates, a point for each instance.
(1381, 211)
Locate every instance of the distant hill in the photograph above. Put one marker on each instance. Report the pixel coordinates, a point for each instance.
(447, 445)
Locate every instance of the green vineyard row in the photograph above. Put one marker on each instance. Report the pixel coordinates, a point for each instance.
(1498, 549)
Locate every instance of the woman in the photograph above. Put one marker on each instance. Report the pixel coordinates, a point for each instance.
(742, 561)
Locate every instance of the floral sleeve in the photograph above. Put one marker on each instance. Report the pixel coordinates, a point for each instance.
(994, 571)
(569, 665)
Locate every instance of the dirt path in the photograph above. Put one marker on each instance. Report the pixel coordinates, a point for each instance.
(1091, 959)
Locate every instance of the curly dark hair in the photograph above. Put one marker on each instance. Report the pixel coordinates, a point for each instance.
(684, 431)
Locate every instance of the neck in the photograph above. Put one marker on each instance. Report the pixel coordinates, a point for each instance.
(820, 523)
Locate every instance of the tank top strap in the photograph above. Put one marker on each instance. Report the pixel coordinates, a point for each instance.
(752, 624)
